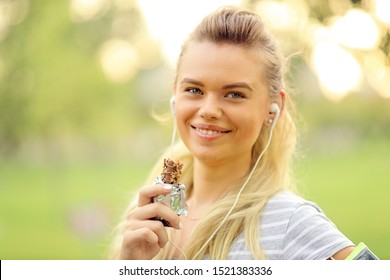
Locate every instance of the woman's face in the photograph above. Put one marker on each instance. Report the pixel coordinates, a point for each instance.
(221, 101)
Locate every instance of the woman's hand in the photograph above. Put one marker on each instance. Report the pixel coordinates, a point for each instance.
(143, 237)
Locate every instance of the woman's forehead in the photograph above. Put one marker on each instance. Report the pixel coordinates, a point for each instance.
(207, 59)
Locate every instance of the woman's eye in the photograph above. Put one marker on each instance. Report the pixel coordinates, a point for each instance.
(194, 91)
(235, 95)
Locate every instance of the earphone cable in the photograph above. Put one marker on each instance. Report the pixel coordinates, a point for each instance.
(173, 137)
(239, 193)
(178, 248)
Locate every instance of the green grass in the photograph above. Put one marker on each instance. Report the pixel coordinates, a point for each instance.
(37, 202)
(353, 188)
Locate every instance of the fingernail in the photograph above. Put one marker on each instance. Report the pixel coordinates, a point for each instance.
(167, 187)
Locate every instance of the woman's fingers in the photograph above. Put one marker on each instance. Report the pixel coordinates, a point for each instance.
(143, 239)
(145, 234)
(154, 210)
(139, 244)
(151, 231)
(146, 194)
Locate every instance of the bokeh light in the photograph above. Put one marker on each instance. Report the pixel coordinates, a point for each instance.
(382, 10)
(338, 71)
(119, 60)
(12, 12)
(283, 15)
(170, 29)
(378, 72)
(357, 30)
(84, 10)
(80, 78)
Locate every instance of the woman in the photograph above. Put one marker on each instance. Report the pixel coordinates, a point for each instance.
(229, 76)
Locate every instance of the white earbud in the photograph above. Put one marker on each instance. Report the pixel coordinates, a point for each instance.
(172, 104)
(275, 109)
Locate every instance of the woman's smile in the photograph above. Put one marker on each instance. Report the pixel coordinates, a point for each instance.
(221, 101)
(209, 132)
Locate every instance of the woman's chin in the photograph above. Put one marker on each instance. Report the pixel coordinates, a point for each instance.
(207, 155)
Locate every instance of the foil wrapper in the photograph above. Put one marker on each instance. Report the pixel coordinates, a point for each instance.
(176, 199)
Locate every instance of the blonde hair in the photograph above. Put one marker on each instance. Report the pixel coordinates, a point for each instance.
(273, 173)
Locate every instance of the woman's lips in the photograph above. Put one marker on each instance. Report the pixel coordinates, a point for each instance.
(210, 131)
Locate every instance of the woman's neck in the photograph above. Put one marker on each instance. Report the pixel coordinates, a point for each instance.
(211, 181)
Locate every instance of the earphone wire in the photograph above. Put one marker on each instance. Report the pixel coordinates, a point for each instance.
(178, 248)
(173, 137)
(241, 190)
(239, 193)
(235, 201)
(171, 152)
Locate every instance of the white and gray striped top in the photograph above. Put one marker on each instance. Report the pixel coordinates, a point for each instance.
(293, 228)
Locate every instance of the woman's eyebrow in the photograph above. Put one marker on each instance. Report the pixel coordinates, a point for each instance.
(192, 81)
(238, 85)
(229, 86)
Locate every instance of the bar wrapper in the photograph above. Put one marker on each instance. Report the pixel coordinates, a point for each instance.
(176, 199)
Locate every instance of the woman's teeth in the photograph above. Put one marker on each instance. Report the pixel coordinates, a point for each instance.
(208, 132)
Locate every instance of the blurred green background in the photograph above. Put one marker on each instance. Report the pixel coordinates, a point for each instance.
(80, 79)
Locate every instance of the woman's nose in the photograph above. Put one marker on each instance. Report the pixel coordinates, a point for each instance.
(210, 108)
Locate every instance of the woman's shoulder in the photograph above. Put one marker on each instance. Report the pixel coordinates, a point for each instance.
(274, 223)
(284, 204)
(292, 227)
(287, 199)
(303, 231)
(285, 211)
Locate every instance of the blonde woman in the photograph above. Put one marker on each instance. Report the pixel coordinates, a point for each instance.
(238, 136)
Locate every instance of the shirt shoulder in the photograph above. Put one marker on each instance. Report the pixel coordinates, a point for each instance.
(293, 228)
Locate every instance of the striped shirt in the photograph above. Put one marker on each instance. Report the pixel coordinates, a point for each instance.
(293, 228)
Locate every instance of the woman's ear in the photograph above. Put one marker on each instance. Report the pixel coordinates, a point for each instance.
(281, 103)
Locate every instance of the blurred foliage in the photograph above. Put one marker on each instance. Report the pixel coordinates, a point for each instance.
(53, 93)
(74, 141)
(67, 211)
(55, 96)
